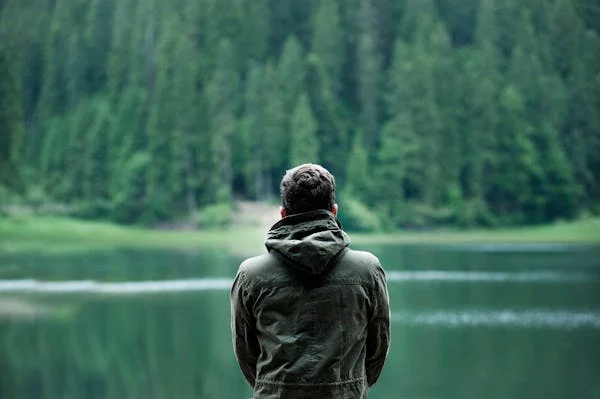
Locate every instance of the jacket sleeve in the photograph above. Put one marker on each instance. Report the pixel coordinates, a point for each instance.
(243, 329)
(378, 330)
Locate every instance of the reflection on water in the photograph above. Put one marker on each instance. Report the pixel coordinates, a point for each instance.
(468, 322)
(517, 247)
(203, 284)
(120, 288)
(491, 276)
(19, 308)
(501, 317)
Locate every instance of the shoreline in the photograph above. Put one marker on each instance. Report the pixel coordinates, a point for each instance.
(59, 234)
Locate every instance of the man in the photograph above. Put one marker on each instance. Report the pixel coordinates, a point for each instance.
(310, 319)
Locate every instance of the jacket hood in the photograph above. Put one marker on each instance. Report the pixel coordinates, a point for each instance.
(309, 241)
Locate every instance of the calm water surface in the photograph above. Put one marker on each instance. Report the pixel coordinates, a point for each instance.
(469, 321)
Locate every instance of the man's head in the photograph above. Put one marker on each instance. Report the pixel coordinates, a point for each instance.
(307, 187)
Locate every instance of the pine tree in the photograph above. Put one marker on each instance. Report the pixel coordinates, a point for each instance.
(426, 119)
(96, 168)
(23, 32)
(447, 92)
(143, 41)
(121, 35)
(253, 138)
(417, 19)
(69, 151)
(125, 139)
(11, 124)
(253, 41)
(412, 92)
(593, 105)
(159, 132)
(552, 185)
(358, 179)
(566, 34)
(400, 125)
(391, 169)
(129, 203)
(96, 43)
(183, 171)
(222, 99)
(59, 153)
(560, 192)
(284, 86)
(480, 80)
(276, 132)
(53, 94)
(75, 70)
(369, 71)
(223, 20)
(304, 146)
(291, 72)
(49, 165)
(327, 44)
(580, 133)
(326, 61)
(517, 169)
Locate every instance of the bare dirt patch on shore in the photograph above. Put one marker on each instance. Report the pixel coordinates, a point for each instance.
(262, 214)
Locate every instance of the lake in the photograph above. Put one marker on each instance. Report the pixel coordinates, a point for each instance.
(468, 321)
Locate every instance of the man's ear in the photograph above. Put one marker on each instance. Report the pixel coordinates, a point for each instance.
(282, 212)
(334, 210)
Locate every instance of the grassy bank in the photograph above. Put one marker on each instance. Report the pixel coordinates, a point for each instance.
(586, 231)
(62, 234)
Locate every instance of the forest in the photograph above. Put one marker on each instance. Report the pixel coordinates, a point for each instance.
(428, 112)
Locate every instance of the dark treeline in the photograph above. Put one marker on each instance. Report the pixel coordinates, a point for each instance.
(471, 112)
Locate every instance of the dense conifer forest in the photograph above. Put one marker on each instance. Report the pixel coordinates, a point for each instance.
(429, 112)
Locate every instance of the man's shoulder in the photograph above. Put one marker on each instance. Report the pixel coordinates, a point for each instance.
(362, 258)
(257, 264)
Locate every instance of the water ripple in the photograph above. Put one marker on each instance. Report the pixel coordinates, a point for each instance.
(558, 319)
(208, 284)
(122, 287)
(521, 247)
(491, 276)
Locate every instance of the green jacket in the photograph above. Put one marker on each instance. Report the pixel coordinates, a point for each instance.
(310, 319)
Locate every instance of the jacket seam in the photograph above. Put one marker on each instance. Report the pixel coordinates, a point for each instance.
(272, 284)
(309, 384)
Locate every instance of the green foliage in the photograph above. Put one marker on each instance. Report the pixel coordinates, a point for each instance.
(357, 216)
(275, 124)
(304, 146)
(130, 190)
(215, 216)
(359, 184)
(125, 133)
(325, 85)
(221, 97)
(7, 198)
(11, 123)
(253, 141)
(143, 111)
(327, 45)
(96, 171)
(390, 176)
(368, 74)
